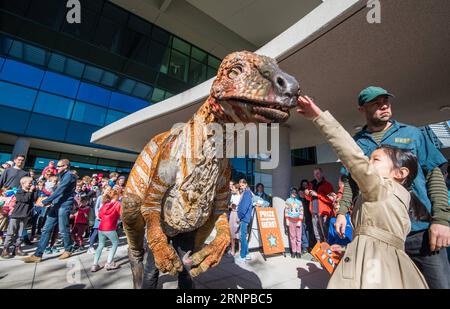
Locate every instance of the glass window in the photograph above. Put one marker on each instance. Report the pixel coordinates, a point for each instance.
(17, 96)
(53, 105)
(181, 46)
(40, 163)
(156, 55)
(49, 13)
(93, 94)
(161, 36)
(179, 65)
(5, 44)
(113, 116)
(4, 156)
(21, 73)
(158, 95)
(168, 95)
(18, 7)
(88, 113)
(86, 29)
(95, 5)
(65, 65)
(105, 168)
(47, 127)
(135, 46)
(199, 54)
(213, 62)
(93, 74)
(107, 162)
(2, 60)
(109, 79)
(142, 91)
(126, 103)
(28, 53)
(108, 34)
(164, 68)
(211, 73)
(13, 120)
(138, 24)
(115, 13)
(197, 72)
(60, 84)
(80, 133)
(126, 85)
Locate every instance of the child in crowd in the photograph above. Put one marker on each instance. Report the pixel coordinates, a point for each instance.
(38, 218)
(109, 215)
(50, 184)
(112, 179)
(7, 201)
(380, 214)
(234, 220)
(81, 221)
(293, 213)
(25, 198)
(98, 204)
(50, 169)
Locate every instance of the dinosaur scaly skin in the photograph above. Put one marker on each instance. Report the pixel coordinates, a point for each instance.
(172, 189)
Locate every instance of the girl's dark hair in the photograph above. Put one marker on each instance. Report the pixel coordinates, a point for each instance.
(402, 158)
(259, 184)
(301, 183)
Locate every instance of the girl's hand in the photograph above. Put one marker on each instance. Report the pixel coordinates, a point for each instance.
(307, 108)
(338, 249)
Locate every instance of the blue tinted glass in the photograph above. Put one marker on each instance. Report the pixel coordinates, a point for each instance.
(1, 62)
(113, 116)
(83, 165)
(4, 156)
(21, 73)
(89, 114)
(47, 127)
(126, 103)
(65, 65)
(80, 133)
(142, 91)
(53, 105)
(60, 84)
(28, 53)
(16, 96)
(41, 163)
(13, 120)
(93, 74)
(103, 168)
(126, 85)
(109, 79)
(93, 94)
(5, 44)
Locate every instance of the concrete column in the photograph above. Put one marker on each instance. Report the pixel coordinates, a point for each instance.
(281, 180)
(21, 147)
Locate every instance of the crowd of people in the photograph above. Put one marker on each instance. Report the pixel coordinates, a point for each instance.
(391, 205)
(57, 204)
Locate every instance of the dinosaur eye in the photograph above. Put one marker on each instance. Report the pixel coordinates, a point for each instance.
(235, 71)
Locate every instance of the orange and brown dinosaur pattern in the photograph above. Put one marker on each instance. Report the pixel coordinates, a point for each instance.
(172, 190)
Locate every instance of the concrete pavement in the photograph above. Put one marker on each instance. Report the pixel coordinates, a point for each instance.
(277, 272)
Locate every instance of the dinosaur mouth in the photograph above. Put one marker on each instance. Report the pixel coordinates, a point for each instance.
(267, 112)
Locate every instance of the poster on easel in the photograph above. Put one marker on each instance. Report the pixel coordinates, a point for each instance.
(270, 234)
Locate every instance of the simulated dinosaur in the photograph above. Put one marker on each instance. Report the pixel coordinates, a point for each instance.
(171, 192)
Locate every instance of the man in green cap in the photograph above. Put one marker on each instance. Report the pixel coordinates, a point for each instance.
(430, 231)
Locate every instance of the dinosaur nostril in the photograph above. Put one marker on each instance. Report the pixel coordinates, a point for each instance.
(281, 82)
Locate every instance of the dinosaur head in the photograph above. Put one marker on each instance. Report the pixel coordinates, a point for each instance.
(252, 88)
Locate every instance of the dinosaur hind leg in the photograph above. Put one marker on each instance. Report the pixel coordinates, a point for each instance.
(134, 226)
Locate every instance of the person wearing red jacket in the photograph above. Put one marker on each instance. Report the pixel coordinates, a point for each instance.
(321, 206)
(108, 215)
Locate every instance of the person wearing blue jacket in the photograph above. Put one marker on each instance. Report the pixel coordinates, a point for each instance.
(245, 208)
(60, 204)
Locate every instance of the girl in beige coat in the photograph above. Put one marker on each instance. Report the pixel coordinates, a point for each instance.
(375, 258)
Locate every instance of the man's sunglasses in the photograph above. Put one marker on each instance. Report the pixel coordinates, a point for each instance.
(58, 166)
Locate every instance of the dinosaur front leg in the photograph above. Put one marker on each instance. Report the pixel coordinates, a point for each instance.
(166, 258)
(211, 254)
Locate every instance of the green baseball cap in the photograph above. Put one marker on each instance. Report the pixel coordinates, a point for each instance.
(371, 93)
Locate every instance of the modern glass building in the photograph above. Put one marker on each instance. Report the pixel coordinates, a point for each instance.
(60, 82)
